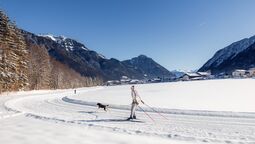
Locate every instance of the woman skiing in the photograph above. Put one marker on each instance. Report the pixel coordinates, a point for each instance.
(135, 102)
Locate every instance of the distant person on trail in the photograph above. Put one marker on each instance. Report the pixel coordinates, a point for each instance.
(135, 102)
(74, 91)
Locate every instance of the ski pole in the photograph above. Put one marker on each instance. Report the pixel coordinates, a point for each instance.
(147, 114)
(156, 111)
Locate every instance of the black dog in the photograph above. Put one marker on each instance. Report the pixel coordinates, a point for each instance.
(105, 107)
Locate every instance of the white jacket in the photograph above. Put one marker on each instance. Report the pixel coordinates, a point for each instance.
(135, 96)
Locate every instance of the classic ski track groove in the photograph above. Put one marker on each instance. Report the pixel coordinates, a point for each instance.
(71, 113)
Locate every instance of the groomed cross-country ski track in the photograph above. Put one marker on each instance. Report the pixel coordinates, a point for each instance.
(60, 116)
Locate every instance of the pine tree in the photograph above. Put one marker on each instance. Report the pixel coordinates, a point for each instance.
(13, 67)
(22, 63)
(4, 67)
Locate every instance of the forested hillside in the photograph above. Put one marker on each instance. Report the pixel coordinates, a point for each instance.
(27, 66)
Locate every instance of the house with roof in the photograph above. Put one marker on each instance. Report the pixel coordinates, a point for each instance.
(239, 73)
(195, 76)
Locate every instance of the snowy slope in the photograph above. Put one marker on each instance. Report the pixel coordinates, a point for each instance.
(61, 116)
(228, 53)
(67, 43)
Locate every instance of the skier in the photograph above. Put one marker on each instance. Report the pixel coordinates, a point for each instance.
(135, 103)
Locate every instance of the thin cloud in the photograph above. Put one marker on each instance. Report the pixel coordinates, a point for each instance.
(202, 24)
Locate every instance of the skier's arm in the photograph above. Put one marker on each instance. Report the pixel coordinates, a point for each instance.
(139, 97)
(132, 95)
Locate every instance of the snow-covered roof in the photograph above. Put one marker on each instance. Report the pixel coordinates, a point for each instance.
(124, 77)
(240, 70)
(192, 74)
(203, 73)
(125, 80)
(134, 81)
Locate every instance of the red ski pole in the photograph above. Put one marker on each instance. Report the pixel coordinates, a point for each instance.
(156, 111)
(147, 114)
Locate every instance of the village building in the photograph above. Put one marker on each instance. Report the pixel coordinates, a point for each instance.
(190, 76)
(251, 72)
(239, 73)
(195, 76)
(112, 82)
(134, 81)
(125, 80)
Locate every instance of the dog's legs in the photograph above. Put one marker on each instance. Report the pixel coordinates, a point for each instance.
(97, 110)
(107, 109)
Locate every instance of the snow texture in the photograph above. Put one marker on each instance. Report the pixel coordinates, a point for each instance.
(64, 41)
(215, 111)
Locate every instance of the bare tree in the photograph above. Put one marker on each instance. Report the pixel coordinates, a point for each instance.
(63, 76)
(39, 67)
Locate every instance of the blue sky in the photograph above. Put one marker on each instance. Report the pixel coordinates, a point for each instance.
(178, 34)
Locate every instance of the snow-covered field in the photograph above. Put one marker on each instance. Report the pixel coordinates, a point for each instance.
(215, 95)
(215, 111)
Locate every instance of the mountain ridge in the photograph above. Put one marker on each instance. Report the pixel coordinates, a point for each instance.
(220, 59)
(90, 63)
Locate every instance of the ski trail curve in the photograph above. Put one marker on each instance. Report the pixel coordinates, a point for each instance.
(194, 127)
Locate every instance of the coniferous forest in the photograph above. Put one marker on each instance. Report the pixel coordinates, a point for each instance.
(27, 66)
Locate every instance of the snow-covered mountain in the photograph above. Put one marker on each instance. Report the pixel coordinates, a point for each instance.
(178, 73)
(90, 63)
(243, 60)
(68, 43)
(69, 52)
(148, 67)
(217, 63)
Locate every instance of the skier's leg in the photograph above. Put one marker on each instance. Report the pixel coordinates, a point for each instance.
(132, 110)
(135, 106)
